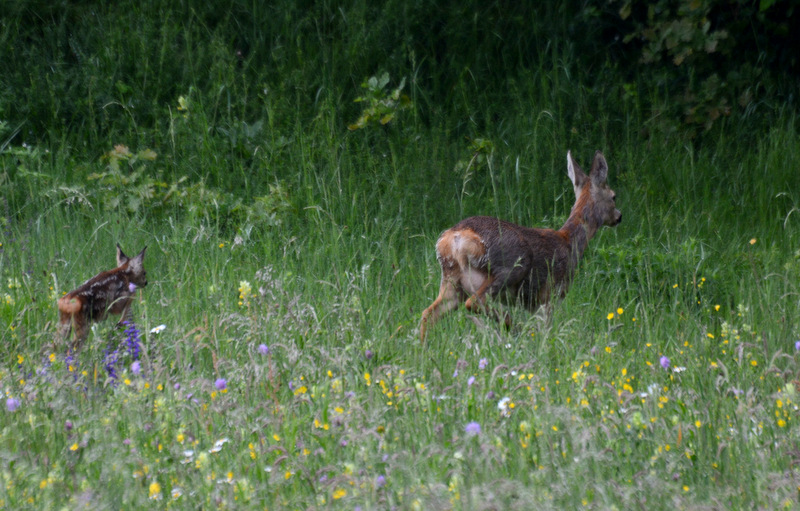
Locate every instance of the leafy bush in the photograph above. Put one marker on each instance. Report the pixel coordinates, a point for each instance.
(126, 186)
(381, 106)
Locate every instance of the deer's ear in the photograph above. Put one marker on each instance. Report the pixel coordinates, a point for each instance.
(576, 174)
(121, 257)
(599, 172)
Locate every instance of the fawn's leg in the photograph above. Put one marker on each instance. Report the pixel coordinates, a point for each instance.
(64, 327)
(81, 330)
(449, 294)
(126, 316)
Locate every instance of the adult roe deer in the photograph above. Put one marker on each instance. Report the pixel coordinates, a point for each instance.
(487, 256)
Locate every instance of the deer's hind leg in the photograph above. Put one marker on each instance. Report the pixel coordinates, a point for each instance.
(477, 302)
(450, 294)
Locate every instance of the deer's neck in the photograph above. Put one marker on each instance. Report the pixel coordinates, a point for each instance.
(579, 228)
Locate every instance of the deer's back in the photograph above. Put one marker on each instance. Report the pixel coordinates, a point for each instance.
(521, 258)
(506, 242)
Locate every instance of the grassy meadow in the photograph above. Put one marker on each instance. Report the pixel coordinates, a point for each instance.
(290, 197)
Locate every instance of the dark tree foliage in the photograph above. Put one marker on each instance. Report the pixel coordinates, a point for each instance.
(98, 67)
(716, 57)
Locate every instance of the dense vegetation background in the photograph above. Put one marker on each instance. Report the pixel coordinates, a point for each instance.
(290, 165)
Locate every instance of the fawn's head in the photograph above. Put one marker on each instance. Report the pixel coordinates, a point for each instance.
(135, 266)
(593, 198)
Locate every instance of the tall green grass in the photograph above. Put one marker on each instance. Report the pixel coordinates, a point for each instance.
(305, 297)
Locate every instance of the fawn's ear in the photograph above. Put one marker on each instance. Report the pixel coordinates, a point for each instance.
(576, 174)
(136, 262)
(121, 257)
(599, 172)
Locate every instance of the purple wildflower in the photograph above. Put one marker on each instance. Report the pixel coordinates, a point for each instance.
(131, 287)
(380, 481)
(68, 425)
(797, 345)
(470, 380)
(368, 354)
(473, 429)
(455, 373)
(483, 363)
(664, 361)
(263, 349)
(177, 386)
(132, 339)
(221, 384)
(136, 368)
(12, 404)
(110, 359)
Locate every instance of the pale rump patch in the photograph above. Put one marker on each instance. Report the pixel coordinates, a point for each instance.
(463, 248)
(69, 305)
